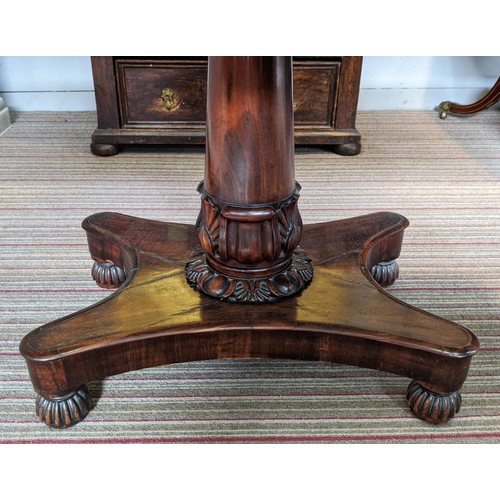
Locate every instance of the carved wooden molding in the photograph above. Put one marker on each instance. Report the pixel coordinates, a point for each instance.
(249, 253)
(249, 238)
(288, 282)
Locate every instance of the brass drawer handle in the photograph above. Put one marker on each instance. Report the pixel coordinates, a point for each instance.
(171, 102)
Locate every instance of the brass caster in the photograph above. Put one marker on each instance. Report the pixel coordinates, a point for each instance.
(445, 106)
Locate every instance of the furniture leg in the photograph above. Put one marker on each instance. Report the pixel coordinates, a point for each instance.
(491, 98)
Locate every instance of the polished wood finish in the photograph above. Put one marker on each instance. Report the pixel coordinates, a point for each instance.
(132, 107)
(250, 160)
(491, 98)
(156, 318)
(249, 224)
(339, 314)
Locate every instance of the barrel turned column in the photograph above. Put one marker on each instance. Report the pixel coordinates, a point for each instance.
(249, 225)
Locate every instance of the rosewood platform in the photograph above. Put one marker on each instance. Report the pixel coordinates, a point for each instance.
(237, 284)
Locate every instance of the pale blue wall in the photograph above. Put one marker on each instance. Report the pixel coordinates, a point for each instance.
(65, 83)
(47, 83)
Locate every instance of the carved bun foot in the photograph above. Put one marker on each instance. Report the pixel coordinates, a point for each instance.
(348, 149)
(105, 149)
(385, 273)
(430, 406)
(107, 275)
(65, 411)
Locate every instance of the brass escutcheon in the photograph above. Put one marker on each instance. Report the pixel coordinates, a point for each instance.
(170, 101)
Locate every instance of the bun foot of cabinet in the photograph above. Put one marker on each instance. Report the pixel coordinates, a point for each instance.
(105, 149)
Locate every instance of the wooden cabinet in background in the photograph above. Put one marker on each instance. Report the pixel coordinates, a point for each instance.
(162, 101)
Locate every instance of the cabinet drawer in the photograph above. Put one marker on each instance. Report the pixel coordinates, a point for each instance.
(315, 91)
(166, 93)
(156, 94)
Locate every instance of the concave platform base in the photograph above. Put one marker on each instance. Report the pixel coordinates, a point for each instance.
(157, 318)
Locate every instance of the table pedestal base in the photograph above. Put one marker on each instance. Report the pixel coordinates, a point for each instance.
(155, 317)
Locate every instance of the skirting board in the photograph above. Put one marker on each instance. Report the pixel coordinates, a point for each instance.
(5, 122)
(370, 99)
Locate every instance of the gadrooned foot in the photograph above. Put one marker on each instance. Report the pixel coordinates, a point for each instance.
(107, 275)
(430, 406)
(385, 273)
(64, 411)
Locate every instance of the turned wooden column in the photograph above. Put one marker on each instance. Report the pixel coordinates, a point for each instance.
(250, 142)
(249, 225)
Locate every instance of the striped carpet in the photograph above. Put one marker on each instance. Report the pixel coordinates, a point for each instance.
(444, 175)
